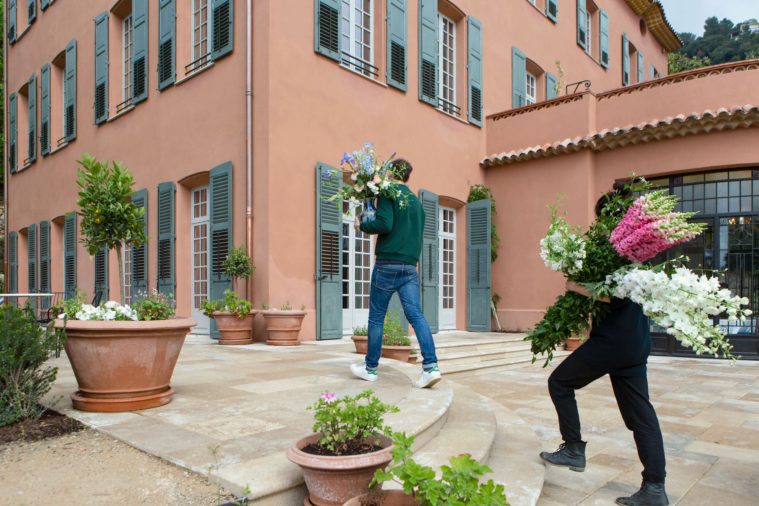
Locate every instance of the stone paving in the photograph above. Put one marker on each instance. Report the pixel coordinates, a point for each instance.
(709, 412)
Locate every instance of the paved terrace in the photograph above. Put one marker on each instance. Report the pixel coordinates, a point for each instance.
(237, 409)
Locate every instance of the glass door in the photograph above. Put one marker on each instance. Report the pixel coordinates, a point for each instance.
(200, 258)
(357, 250)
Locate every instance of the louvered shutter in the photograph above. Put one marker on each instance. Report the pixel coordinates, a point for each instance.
(11, 21)
(44, 268)
(474, 70)
(518, 78)
(167, 28)
(550, 86)
(430, 260)
(478, 265)
(101, 68)
(166, 238)
(13, 262)
(552, 10)
(221, 227)
(140, 51)
(45, 110)
(140, 253)
(69, 108)
(652, 72)
(604, 38)
(101, 275)
(222, 27)
(329, 264)
(641, 68)
(428, 51)
(69, 256)
(625, 60)
(31, 250)
(44, 4)
(31, 10)
(582, 24)
(327, 28)
(32, 132)
(12, 132)
(397, 65)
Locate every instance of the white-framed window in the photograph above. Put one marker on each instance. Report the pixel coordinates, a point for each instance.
(200, 247)
(447, 260)
(199, 32)
(589, 33)
(531, 87)
(126, 261)
(357, 36)
(357, 264)
(127, 48)
(447, 63)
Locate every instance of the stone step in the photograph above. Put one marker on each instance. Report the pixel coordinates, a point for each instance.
(468, 357)
(458, 345)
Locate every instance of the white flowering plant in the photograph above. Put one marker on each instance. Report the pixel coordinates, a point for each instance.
(562, 249)
(108, 311)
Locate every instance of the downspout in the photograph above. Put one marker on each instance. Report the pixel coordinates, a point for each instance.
(249, 138)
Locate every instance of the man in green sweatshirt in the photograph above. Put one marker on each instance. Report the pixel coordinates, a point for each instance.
(398, 225)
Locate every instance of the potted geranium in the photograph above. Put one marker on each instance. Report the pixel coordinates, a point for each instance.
(458, 482)
(396, 343)
(347, 447)
(232, 314)
(122, 357)
(283, 325)
(360, 339)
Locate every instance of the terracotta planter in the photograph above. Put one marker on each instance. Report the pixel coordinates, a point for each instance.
(233, 329)
(572, 343)
(383, 498)
(361, 343)
(413, 359)
(123, 366)
(283, 327)
(331, 481)
(401, 353)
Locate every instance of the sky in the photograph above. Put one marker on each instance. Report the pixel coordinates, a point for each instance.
(689, 15)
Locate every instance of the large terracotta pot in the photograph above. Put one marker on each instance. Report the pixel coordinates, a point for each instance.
(233, 329)
(383, 498)
(401, 353)
(123, 365)
(331, 481)
(361, 343)
(283, 327)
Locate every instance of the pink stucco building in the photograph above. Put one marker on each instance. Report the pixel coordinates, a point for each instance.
(227, 110)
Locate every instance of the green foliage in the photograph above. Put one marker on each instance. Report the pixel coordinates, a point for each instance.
(155, 306)
(230, 303)
(70, 307)
(360, 331)
(458, 485)
(286, 307)
(482, 192)
(25, 346)
(722, 42)
(677, 62)
(237, 264)
(350, 424)
(393, 333)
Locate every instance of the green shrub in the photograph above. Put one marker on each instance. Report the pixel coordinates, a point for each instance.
(361, 331)
(231, 303)
(237, 264)
(25, 346)
(394, 334)
(155, 306)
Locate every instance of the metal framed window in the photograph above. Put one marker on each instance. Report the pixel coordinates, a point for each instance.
(200, 247)
(199, 32)
(531, 89)
(447, 64)
(357, 38)
(127, 48)
(126, 261)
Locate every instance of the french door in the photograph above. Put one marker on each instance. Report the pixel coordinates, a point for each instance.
(357, 250)
(447, 270)
(200, 258)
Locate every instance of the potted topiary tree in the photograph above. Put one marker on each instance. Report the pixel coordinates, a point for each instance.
(396, 343)
(122, 357)
(283, 325)
(233, 315)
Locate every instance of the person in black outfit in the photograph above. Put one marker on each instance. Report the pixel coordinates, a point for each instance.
(619, 345)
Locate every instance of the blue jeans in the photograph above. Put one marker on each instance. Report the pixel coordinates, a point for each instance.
(386, 280)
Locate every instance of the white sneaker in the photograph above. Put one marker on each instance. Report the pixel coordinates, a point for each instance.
(428, 378)
(360, 371)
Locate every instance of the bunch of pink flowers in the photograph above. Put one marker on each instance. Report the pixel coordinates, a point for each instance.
(651, 226)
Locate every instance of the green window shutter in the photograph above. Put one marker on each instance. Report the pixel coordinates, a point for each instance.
(478, 265)
(11, 21)
(69, 256)
(429, 266)
(428, 51)
(604, 38)
(139, 51)
(550, 86)
(327, 30)
(641, 68)
(44, 4)
(31, 10)
(45, 261)
(518, 77)
(222, 28)
(221, 227)
(329, 261)
(140, 253)
(582, 24)
(101, 68)
(12, 132)
(552, 10)
(652, 72)
(32, 132)
(31, 249)
(13, 262)
(166, 238)
(474, 70)
(625, 60)
(69, 107)
(45, 110)
(397, 65)
(167, 28)
(101, 275)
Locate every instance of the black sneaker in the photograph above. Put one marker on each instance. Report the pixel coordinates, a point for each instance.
(650, 494)
(571, 455)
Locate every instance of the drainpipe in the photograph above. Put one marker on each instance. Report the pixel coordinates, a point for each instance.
(249, 138)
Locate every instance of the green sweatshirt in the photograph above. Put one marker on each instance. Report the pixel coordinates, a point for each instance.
(399, 231)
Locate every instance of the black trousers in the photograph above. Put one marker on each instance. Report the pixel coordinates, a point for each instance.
(632, 398)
